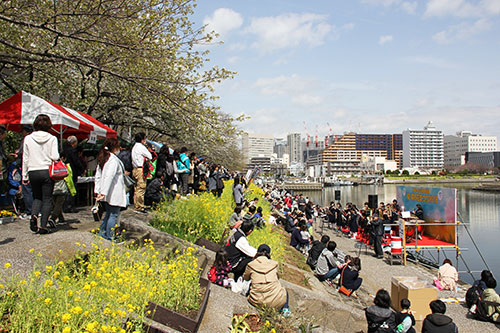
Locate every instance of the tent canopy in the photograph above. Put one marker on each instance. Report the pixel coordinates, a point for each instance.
(22, 109)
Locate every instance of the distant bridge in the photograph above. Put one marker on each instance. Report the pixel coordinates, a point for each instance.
(302, 186)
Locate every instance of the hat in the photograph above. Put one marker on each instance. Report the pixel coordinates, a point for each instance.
(264, 248)
(27, 128)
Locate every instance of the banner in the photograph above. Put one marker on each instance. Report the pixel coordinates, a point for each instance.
(439, 205)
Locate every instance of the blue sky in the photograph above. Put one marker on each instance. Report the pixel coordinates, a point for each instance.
(371, 66)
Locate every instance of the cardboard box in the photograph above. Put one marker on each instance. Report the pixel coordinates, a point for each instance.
(420, 293)
(395, 290)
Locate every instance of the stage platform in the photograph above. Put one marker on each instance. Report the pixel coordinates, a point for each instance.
(428, 241)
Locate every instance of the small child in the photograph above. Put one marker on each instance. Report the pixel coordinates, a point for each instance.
(306, 236)
(218, 274)
(405, 319)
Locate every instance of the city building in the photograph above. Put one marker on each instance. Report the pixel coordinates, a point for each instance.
(489, 159)
(423, 148)
(456, 146)
(280, 147)
(311, 150)
(257, 145)
(372, 165)
(343, 154)
(264, 163)
(294, 148)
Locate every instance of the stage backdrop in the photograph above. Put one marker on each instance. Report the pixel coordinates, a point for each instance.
(439, 205)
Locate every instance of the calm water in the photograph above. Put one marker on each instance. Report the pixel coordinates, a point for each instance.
(479, 210)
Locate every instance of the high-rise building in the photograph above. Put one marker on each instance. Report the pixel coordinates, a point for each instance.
(423, 148)
(352, 146)
(294, 148)
(257, 145)
(455, 146)
(280, 147)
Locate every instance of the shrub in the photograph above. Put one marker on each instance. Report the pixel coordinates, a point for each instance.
(97, 291)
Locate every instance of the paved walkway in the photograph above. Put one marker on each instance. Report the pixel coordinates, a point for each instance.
(377, 274)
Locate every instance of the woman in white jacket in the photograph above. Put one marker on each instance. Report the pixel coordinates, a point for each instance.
(39, 151)
(110, 187)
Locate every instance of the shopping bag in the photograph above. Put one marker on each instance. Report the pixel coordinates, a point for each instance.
(58, 170)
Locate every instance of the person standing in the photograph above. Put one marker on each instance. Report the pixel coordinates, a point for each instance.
(378, 233)
(39, 151)
(72, 158)
(184, 169)
(25, 189)
(139, 154)
(110, 187)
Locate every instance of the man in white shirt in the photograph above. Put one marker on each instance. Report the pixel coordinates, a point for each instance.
(139, 153)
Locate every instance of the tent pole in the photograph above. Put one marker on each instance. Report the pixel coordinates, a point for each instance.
(61, 140)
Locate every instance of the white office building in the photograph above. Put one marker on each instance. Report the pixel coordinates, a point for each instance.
(423, 148)
(257, 145)
(455, 146)
(294, 148)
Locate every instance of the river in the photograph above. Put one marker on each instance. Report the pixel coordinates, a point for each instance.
(480, 212)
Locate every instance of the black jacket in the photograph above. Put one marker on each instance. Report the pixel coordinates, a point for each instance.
(316, 249)
(438, 323)
(155, 190)
(126, 157)
(380, 320)
(72, 159)
(378, 227)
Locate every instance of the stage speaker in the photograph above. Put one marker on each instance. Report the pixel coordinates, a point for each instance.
(373, 201)
(337, 195)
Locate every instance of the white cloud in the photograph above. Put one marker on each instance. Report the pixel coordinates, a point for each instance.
(233, 60)
(306, 100)
(462, 8)
(299, 90)
(385, 39)
(409, 7)
(430, 61)
(285, 85)
(289, 30)
(222, 21)
(462, 31)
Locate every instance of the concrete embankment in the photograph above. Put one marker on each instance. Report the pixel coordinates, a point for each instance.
(477, 181)
(377, 274)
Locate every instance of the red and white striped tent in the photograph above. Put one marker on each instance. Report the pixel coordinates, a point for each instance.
(22, 109)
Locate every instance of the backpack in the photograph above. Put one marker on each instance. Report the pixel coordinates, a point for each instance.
(482, 310)
(472, 296)
(211, 275)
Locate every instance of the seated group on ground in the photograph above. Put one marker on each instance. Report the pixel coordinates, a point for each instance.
(381, 318)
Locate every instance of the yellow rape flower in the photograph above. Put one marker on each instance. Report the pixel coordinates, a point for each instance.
(67, 329)
(7, 265)
(65, 317)
(47, 301)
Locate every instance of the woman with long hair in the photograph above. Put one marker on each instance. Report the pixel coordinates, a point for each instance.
(39, 152)
(110, 187)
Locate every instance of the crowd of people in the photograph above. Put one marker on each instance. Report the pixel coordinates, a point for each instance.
(138, 173)
(125, 175)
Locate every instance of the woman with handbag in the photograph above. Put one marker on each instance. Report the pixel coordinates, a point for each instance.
(39, 153)
(349, 277)
(110, 187)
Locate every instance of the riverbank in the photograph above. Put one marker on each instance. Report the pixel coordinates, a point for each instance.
(440, 180)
